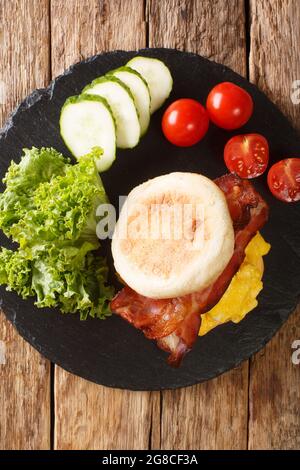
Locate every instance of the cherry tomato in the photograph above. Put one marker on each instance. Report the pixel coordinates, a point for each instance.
(284, 180)
(229, 106)
(185, 122)
(247, 155)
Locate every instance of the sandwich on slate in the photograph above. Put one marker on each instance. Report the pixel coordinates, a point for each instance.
(179, 241)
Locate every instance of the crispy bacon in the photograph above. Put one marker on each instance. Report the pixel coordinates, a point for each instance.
(174, 323)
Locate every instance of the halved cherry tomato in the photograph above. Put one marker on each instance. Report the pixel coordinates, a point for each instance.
(229, 106)
(185, 122)
(247, 155)
(284, 180)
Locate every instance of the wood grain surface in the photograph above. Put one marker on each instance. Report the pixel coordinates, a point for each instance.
(255, 405)
(24, 374)
(94, 416)
(274, 392)
(214, 29)
(274, 54)
(81, 28)
(197, 415)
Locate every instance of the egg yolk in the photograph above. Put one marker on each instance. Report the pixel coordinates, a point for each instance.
(241, 295)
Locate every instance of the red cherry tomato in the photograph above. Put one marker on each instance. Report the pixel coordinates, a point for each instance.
(229, 106)
(247, 155)
(284, 180)
(185, 122)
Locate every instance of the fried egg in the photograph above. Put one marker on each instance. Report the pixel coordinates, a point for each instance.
(241, 295)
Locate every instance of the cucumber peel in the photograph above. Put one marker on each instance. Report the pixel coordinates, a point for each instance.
(158, 77)
(122, 104)
(87, 126)
(140, 91)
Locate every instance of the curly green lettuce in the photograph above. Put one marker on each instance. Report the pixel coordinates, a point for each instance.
(37, 166)
(49, 209)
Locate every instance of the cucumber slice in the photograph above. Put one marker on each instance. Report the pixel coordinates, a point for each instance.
(140, 91)
(86, 122)
(122, 105)
(158, 77)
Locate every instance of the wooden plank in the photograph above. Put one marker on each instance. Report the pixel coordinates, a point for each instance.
(88, 416)
(24, 374)
(274, 393)
(80, 29)
(211, 415)
(274, 62)
(215, 29)
(274, 396)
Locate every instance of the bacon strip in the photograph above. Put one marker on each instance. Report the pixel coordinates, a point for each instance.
(174, 323)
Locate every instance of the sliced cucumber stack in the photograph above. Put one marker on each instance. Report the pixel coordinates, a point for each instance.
(87, 123)
(122, 104)
(140, 91)
(158, 77)
(115, 110)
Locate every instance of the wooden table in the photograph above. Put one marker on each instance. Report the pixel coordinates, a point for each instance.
(253, 406)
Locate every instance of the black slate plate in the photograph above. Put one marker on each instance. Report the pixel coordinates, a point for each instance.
(111, 352)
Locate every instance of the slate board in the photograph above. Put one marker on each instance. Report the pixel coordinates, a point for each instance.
(111, 352)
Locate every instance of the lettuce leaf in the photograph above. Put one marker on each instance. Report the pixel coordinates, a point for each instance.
(15, 271)
(73, 278)
(49, 209)
(64, 208)
(22, 180)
